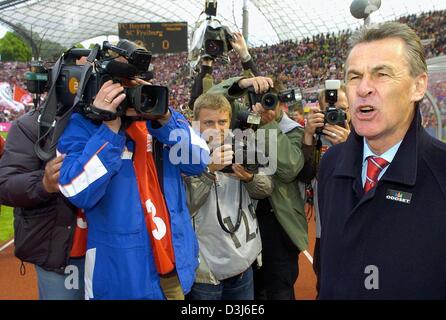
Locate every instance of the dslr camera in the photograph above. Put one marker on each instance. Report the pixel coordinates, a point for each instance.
(243, 156)
(332, 115)
(269, 100)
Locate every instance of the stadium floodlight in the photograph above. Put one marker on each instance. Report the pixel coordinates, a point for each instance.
(361, 9)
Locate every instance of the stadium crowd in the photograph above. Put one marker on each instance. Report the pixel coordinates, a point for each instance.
(110, 162)
(305, 64)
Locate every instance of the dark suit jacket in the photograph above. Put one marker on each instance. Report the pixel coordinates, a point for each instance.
(401, 245)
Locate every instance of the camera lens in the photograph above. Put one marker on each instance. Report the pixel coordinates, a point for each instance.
(147, 103)
(332, 117)
(148, 99)
(214, 47)
(269, 101)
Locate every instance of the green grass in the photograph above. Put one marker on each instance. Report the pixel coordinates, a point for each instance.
(6, 224)
(6, 217)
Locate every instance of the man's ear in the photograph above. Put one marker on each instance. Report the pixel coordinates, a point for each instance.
(420, 87)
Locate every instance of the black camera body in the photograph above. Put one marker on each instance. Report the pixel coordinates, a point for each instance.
(332, 115)
(241, 152)
(269, 100)
(37, 78)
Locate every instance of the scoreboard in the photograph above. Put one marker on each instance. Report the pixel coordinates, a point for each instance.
(157, 37)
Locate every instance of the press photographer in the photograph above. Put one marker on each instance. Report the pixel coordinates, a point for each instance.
(325, 126)
(72, 87)
(281, 216)
(223, 210)
(114, 166)
(332, 117)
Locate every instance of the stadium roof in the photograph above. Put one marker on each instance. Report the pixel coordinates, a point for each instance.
(270, 21)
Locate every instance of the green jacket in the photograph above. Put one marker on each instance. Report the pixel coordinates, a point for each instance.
(286, 199)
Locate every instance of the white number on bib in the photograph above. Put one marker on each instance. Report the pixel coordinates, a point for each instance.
(160, 230)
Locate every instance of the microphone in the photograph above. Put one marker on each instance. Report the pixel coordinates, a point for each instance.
(120, 69)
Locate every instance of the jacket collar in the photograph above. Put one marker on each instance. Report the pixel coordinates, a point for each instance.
(286, 124)
(403, 168)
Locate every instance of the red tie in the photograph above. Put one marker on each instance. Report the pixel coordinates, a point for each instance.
(374, 167)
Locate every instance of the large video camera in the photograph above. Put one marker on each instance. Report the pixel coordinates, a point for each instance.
(269, 101)
(217, 40)
(209, 37)
(332, 115)
(145, 99)
(216, 37)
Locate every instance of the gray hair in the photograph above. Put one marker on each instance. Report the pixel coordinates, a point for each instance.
(415, 51)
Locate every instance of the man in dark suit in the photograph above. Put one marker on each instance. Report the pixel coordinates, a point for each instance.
(382, 193)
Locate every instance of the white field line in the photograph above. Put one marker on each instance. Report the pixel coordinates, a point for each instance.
(309, 257)
(6, 245)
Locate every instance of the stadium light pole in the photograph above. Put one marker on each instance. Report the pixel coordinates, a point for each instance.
(245, 20)
(361, 9)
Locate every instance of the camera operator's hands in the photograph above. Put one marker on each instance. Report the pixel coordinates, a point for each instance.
(336, 134)
(109, 98)
(315, 119)
(266, 115)
(51, 176)
(241, 174)
(260, 84)
(239, 45)
(221, 157)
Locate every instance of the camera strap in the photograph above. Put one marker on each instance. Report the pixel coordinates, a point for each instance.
(51, 127)
(239, 213)
(47, 116)
(97, 114)
(317, 151)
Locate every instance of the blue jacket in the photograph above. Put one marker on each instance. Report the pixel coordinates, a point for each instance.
(98, 175)
(380, 245)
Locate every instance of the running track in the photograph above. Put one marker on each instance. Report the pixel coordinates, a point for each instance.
(13, 286)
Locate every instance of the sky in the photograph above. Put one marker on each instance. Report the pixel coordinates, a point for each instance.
(86, 44)
(2, 31)
(261, 31)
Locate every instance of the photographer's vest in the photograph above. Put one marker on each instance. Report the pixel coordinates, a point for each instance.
(224, 255)
(152, 199)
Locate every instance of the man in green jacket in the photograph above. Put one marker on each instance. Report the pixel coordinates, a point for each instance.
(282, 221)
